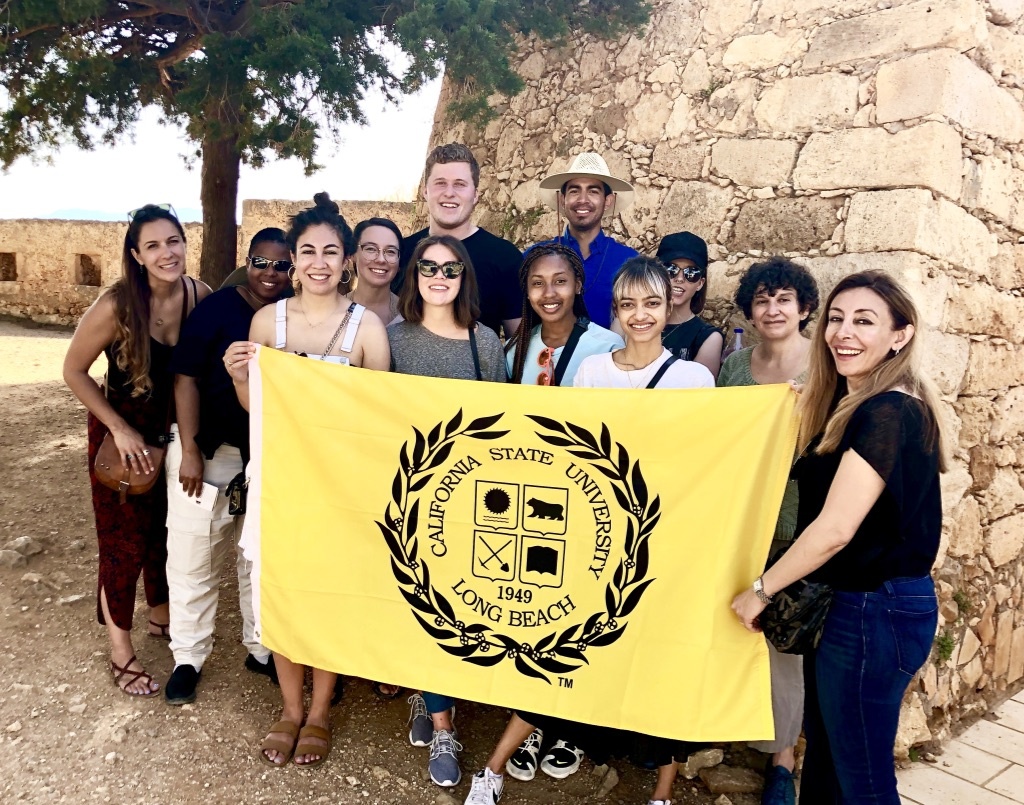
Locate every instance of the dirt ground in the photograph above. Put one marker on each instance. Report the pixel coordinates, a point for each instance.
(69, 735)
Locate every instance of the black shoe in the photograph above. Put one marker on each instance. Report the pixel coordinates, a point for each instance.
(267, 669)
(181, 687)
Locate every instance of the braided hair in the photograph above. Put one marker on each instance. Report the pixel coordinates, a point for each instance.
(529, 318)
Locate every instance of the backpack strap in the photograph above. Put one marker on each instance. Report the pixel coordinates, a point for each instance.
(280, 323)
(578, 329)
(661, 372)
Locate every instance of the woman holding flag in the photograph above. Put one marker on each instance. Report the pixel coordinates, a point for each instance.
(322, 323)
(868, 523)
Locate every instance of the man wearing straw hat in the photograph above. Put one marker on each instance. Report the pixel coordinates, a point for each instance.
(585, 193)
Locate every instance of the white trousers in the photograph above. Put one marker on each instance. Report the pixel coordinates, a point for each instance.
(198, 543)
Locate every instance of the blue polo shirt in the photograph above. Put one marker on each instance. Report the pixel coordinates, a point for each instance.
(606, 255)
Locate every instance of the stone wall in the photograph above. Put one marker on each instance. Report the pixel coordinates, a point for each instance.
(851, 135)
(52, 270)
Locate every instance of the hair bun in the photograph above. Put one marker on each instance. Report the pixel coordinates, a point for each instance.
(324, 200)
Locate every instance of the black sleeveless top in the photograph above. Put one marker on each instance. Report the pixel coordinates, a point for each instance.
(685, 340)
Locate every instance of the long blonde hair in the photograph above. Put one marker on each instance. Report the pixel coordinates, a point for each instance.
(818, 407)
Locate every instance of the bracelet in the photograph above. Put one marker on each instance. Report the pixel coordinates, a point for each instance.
(763, 597)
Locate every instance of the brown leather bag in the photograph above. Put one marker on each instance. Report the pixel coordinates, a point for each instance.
(110, 472)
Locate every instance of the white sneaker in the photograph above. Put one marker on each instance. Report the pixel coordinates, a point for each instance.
(659, 802)
(486, 788)
(523, 763)
(561, 760)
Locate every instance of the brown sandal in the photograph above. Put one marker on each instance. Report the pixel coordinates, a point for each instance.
(276, 745)
(133, 676)
(163, 634)
(311, 731)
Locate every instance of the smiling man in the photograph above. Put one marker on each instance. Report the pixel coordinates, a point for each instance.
(585, 194)
(450, 182)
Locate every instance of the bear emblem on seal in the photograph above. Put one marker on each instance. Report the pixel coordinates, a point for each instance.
(545, 511)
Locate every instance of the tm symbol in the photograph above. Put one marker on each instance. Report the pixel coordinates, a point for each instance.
(564, 682)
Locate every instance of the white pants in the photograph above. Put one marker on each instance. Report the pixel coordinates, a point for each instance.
(198, 543)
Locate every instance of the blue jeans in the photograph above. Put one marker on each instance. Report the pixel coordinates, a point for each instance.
(871, 647)
(437, 703)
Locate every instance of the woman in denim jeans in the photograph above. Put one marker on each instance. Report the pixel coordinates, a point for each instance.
(869, 521)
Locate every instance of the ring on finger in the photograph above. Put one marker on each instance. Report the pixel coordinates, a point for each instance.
(145, 452)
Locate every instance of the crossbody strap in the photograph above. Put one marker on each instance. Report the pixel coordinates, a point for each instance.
(578, 329)
(661, 372)
(475, 351)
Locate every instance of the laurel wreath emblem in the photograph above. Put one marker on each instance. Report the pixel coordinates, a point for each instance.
(480, 644)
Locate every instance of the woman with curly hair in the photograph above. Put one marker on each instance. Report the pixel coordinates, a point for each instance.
(135, 323)
(868, 525)
(555, 325)
(778, 297)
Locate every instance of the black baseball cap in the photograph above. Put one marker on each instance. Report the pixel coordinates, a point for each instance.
(684, 246)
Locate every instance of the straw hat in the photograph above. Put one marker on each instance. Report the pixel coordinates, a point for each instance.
(591, 166)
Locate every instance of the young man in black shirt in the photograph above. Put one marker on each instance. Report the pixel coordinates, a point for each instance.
(210, 449)
(450, 180)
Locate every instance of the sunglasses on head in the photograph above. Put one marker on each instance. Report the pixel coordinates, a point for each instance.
(260, 263)
(690, 273)
(451, 270)
(165, 207)
(546, 362)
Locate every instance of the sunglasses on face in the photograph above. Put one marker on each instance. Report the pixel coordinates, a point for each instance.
(389, 253)
(546, 362)
(428, 268)
(260, 263)
(690, 273)
(165, 207)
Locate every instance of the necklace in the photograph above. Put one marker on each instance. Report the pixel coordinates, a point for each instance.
(314, 326)
(633, 368)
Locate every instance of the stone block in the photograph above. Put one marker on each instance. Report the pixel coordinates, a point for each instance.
(682, 118)
(808, 103)
(762, 51)
(944, 359)
(646, 121)
(663, 74)
(681, 162)
(1004, 494)
(965, 537)
(732, 106)
(732, 779)
(953, 484)
(956, 24)
(698, 207)
(981, 309)
(593, 61)
(508, 142)
(722, 20)
(1004, 539)
(639, 218)
(1008, 422)
(929, 288)
(913, 727)
(926, 156)
(675, 27)
(990, 184)
(1004, 642)
(754, 163)
(992, 367)
(533, 66)
(945, 82)
(976, 415)
(1007, 269)
(696, 75)
(969, 646)
(892, 220)
(606, 121)
(1005, 12)
(1006, 49)
(1016, 669)
(784, 224)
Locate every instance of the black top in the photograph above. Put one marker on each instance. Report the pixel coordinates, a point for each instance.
(219, 320)
(895, 434)
(496, 262)
(685, 340)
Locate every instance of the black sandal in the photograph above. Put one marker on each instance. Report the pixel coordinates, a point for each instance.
(163, 634)
(378, 689)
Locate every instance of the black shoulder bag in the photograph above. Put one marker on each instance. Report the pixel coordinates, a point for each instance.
(794, 619)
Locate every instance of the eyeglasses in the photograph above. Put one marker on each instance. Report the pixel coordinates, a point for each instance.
(389, 253)
(165, 207)
(690, 273)
(260, 263)
(547, 372)
(428, 268)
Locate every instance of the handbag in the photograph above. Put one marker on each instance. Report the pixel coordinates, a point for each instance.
(795, 618)
(236, 494)
(110, 472)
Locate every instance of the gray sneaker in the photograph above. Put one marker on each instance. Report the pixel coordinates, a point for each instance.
(444, 759)
(421, 726)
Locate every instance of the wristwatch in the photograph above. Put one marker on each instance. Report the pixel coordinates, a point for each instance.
(759, 591)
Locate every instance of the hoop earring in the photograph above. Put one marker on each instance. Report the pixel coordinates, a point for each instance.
(347, 280)
(291, 273)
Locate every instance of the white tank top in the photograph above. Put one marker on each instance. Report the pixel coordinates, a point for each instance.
(355, 313)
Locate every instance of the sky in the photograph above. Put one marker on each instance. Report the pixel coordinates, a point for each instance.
(380, 160)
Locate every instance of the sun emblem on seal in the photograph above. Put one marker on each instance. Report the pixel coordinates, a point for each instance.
(497, 501)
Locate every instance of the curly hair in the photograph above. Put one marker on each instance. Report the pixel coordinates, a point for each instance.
(529, 318)
(771, 276)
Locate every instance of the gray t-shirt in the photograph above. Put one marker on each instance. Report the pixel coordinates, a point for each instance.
(415, 350)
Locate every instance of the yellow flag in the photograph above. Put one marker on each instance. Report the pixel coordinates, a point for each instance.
(571, 552)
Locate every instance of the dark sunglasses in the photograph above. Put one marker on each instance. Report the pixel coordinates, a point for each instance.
(428, 268)
(690, 273)
(260, 263)
(165, 207)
